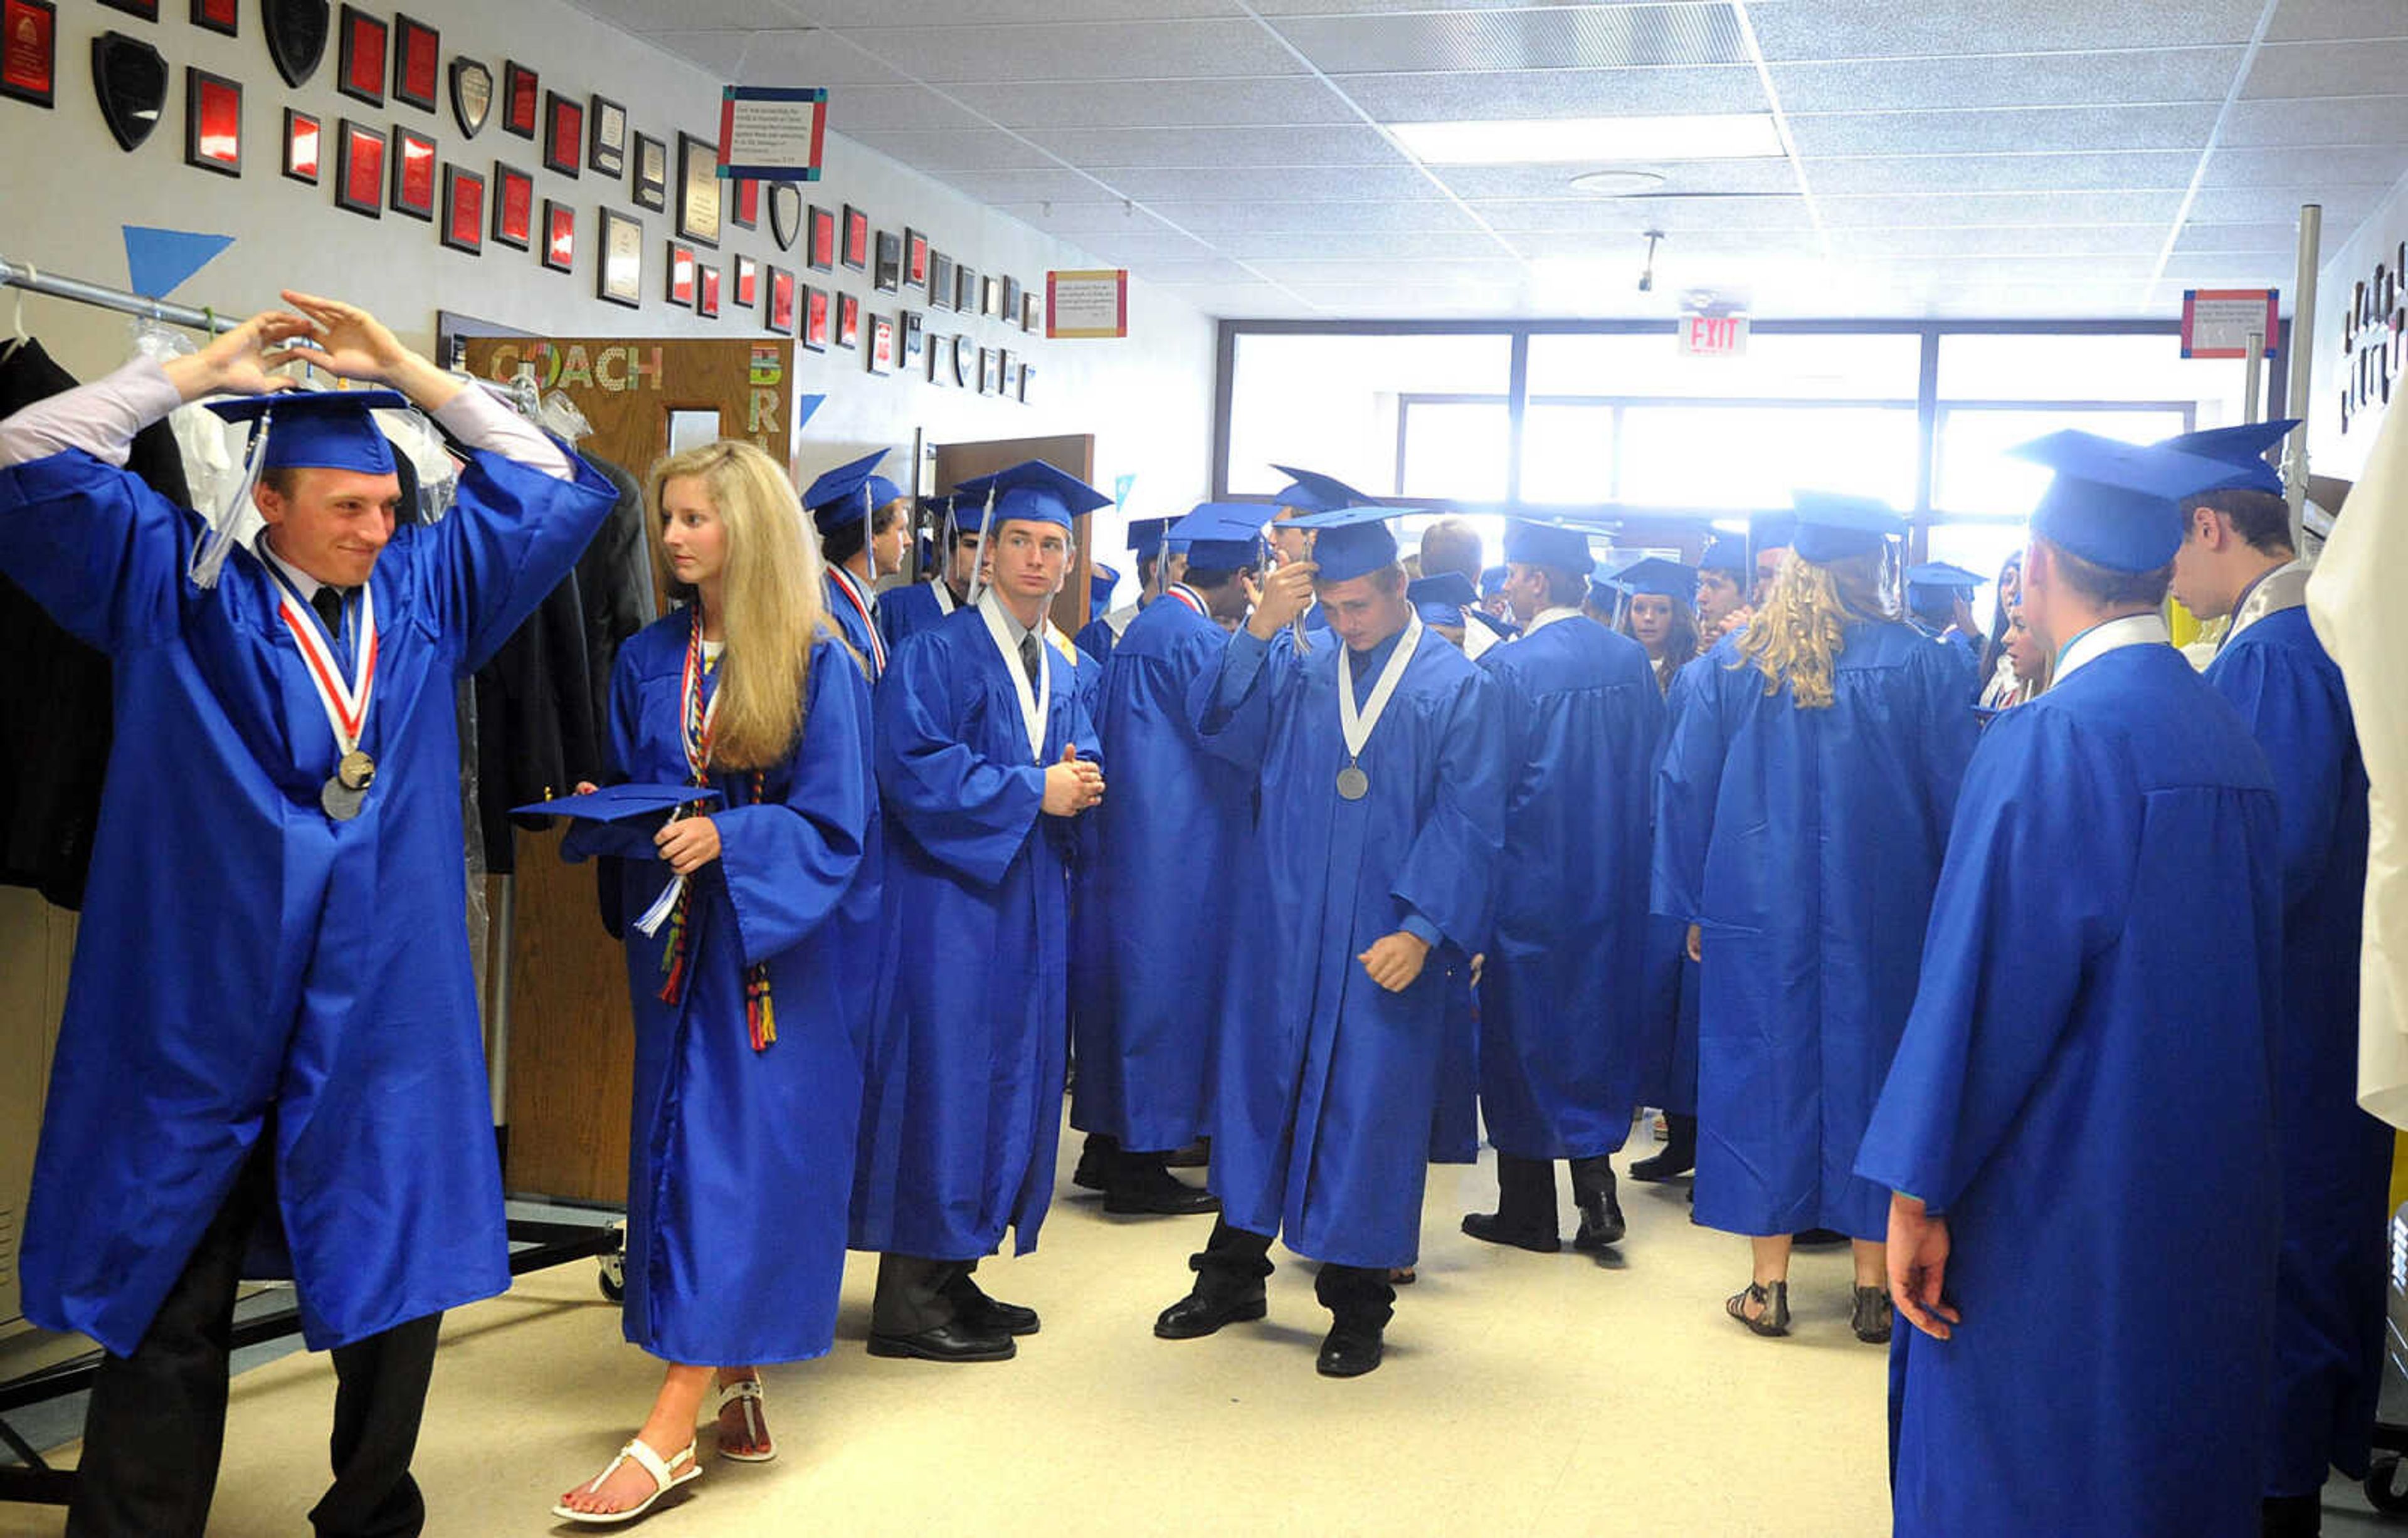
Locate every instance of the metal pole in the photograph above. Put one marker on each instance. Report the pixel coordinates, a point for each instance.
(25, 275)
(2304, 345)
(497, 994)
(2250, 411)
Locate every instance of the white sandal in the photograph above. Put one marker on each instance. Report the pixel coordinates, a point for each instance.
(747, 1391)
(667, 1477)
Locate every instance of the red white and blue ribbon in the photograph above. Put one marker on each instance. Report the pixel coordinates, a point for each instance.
(346, 705)
(851, 587)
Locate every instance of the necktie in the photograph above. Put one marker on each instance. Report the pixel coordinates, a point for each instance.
(328, 602)
(1028, 657)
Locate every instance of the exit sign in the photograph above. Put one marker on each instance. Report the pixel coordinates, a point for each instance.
(1713, 335)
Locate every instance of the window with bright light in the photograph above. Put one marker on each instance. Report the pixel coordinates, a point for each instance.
(1781, 365)
(1457, 449)
(1753, 456)
(1973, 473)
(1335, 404)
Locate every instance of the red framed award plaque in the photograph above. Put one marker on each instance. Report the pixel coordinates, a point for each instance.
(302, 135)
(212, 121)
(513, 206)
(359, 168)
(218, 16)
(29, 51)
(564, 137)
(856, 238)
(464, 210)
(521, 99)
(559, 236)
(778, 315)
(819, 253)
(848, 320)
(417, 57)
(362, 77)
(681, 274)
(706, 292)
(747, 283)
(413, 173)
(815, 319)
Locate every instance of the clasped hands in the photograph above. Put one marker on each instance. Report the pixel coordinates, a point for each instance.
(343, 339)
(1072, 785)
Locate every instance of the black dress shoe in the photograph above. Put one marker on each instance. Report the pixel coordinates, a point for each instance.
(1141, 1185)
(1601, 1222)
(1095, 1156)
(1489, 1228)
(953, 1342)
(1678, 1156)
(1193, 1157)
(1195, 1316)
(987, 1316)
(1819, 1239)
(1349, 1353)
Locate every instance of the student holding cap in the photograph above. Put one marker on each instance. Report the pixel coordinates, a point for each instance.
(2101, 994)
(860, 517)
(1381, 802)
(905, 611)
(277, 882)
(1308, 492)
(755, 967)
(1801, 811)
(1940, 603)
(1161, 907)
(1562, 1039)
(2236, 560)
(984, 755)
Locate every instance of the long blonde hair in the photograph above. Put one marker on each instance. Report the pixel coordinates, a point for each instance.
(1798, 632)
(771, 588)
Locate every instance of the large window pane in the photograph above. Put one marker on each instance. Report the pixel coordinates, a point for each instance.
(1973, 473)
(1705, 456)
(1334, 404)
(1840, 367)
(1979, 547)
(1455, 450)
(1566, 452)
(1975, 367)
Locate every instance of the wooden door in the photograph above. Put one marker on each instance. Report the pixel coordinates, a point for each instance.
(570, 1054)
(1074, 454)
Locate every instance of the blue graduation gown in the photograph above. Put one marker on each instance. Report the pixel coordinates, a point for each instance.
(1806, 844)
(856, 631)
(1669, 978)
(2336, 1160)
(1563, 1033)
(243, 956)
(739, 1169)
(1161, 898)
(1325, 1089)
(907, 610)
(964, 1109)
(2084, 1091)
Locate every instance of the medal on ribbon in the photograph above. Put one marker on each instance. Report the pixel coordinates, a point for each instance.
(346, 789)
(1356, 726)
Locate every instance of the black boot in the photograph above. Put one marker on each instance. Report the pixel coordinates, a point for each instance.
(1361, 1302)
(1678, 1156)
(1193, 1156)
(2292, 1516)
(1229, 1289)
(1141, 1184)
(1601, 1222)
(1095, 1170)
(1526, 1207)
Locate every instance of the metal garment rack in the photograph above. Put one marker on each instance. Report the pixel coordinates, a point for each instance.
(537, 1246)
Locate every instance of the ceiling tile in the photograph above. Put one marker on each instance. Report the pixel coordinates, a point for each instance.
(1056, 185)
(1396, 7)
(767, 57)
(2034, 240)
(2002, 209)
(1210, 270)
(1152, 243)
(1275, 184)
(1242, 301)
(2299, 19)
(2003, 269)
(1555, 94)
(651, 16)
(2240, 270)
(1263, 245)
(1342, 270)
(1078, 220)
(1681, 246)
(2053, 79)
(2304, 167)
(939, 154)
(1161, 104)
(1887, 29)
(1551, 37)
(2343, 204)
(1158, 147)
(1769, 212)
(1692, 176)
(2071, 129)
(2329, 69)
(2269, 237)
(1207, 219)
(938, 13)
(2360, 121)
(2039, 173)
(858, 109)
(1081, 54)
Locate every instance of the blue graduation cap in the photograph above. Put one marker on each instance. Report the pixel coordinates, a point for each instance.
(1145, 536)
(1101, 580)
(1727, 555)
(1032, 490)
(1558, 541)
(1770, 532)
(848, 492)
(614, 802)
(1940, 575)
(2243, 445)
(317, 429)
(1314, 493)
(1441, 600)
(1350, 542)
(1659, 578)
(1605, 589)
(1832, 526)
(1492, 581)
(1221, 535)
(2119, 504)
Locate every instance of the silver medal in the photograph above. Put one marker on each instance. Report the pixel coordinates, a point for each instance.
(1353, 783)
(341, 801)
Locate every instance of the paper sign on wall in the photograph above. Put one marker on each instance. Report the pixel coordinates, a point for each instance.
(1087, 304)
(2216, 322)
(771, 133)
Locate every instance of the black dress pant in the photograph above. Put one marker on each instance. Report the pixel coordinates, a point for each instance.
(1235, 1262)
(915, 1294)
(157, 1419)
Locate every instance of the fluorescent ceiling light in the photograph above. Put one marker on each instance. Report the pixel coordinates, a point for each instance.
(1549, 141)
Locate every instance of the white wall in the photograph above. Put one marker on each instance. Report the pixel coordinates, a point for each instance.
(66, 189)
(2330, 451)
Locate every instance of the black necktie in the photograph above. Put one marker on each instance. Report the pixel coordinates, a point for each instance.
(1028, 657)
(328, 602)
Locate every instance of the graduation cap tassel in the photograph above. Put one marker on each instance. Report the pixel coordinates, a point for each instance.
(208, 556)
(986, 516)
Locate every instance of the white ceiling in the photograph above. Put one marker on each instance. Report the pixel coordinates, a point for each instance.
(1958, 158)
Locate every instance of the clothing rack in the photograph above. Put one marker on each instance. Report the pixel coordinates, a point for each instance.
(26, 275)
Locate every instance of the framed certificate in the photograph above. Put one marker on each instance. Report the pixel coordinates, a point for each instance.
(848, 320)
(514, 207)
(464, 210)
(564, 133)
(820, 255)
(359, 168)
(856, 239)
(29, 51)
(218, 16)
(413, 173)
(747, 283)
(680, 273)
(301, 139)
(815, 319)
(706, 292)
(212, 122)
(697, 209)
(608, 153)
(417, 63)
(619, 277)
(559, 236)
(651, 186)
(521, 99)
(362, 76)
(777, 311)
